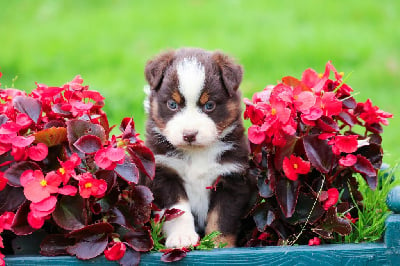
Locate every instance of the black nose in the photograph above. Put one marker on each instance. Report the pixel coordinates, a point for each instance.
(190, 136)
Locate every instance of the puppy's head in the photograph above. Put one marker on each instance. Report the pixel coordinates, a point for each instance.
(194, 97)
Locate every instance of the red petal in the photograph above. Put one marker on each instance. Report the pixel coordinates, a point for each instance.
(38, 152)
(349, 160)
(35, 192)
(116, 251)
(9, 127)
(47, 205)
(347, 144)
(256, 135)
(21, 142)
(115, 154)
(68, 190)
(333, 196)
(288, 169)
(102, 159)
(35, 222)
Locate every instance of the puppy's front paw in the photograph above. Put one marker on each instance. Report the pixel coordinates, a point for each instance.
(182, 238)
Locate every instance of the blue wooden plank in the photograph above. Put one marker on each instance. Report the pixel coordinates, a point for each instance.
(348, 254)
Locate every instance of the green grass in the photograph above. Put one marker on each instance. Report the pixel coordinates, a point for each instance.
(109, 42)
(373, 213)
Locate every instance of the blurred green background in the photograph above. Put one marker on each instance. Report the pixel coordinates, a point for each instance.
(109, 42)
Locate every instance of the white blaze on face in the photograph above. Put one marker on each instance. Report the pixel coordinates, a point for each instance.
(191, 76)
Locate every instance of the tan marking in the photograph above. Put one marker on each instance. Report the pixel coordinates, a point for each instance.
(232, 109)
(154, 114)
(204, 98)
(213, 225)
(176, 96)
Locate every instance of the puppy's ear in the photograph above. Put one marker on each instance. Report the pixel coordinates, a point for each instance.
(231, 72)
(155, 68)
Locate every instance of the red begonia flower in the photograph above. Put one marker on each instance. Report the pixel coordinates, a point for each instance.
(351, 219)
(68, 190)
(67, 168)
(115, 251)
(38, 152)
(107, 158)
(21, 141)
(371, 114)
(6, 220)
(37, 187)
(347, 144)
(330, 104)
(89, 186)
(295, 165)
(255, 134)
(23, 120)
(349, 160)
(332, 198)
(314, 241)
(304, 100)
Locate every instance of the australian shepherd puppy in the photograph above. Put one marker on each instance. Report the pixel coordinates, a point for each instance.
(195, 130)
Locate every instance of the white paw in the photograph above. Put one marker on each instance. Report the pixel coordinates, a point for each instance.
(183, 238)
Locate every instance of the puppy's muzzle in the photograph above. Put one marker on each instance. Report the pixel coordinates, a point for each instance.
(189, 136)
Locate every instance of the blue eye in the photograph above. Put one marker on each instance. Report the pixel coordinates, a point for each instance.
(209, 106)
(172, 105)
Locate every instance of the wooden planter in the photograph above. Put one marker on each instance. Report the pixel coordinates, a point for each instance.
(386, 253)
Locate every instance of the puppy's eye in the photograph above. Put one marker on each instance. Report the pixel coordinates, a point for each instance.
(209, 106)
(172, 105)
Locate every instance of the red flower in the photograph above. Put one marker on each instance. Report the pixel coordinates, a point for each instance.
(44, 207)
(34, 221)
(314, 241)
(37, 187)
(67, 168)
(115, 251)
(295, 165)
(3, 181)
(347, 144)
(89, 186)
(371, 114)
(256, 134)
(330, 198)
(108, 158)
(349, 160)
(38, 152)
(351, 219)
(6, 220)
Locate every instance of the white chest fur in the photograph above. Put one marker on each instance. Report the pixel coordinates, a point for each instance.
(199, 168)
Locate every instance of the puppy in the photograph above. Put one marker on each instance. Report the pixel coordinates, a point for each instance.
(195, 130)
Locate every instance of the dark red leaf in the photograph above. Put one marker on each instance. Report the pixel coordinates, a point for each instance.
(88, 144)
(78, 128)
(131, 257)
(128, 171)
(303, 209)
(327, 124)
(28, 105)
(139, 208)
(263, 216)
(349, 103)
(287, 192)
(13, 173)
(116, 217)
(173, 255)
(20, 224)
(264, 189)
(55, 245)
(367, 170)
(348, 119)
(173, 213)
(51, 136)
(319, 153)
(92, 232)
(11, 198)
(109, 176)
(139, 240)
(86, 249)
(143, 158)
(333, 223)
(70, 213)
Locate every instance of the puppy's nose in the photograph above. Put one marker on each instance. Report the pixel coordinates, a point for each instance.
(190, 135)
